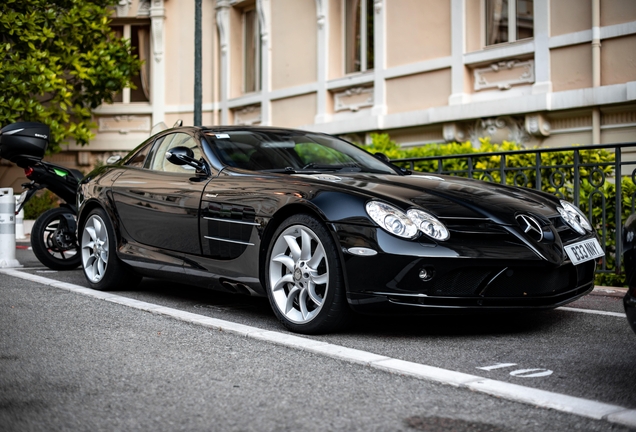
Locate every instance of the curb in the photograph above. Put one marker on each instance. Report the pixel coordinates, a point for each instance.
(609, 291)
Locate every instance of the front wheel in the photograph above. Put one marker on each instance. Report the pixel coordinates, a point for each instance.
(304, 278)
(102, 267)
(53, 242)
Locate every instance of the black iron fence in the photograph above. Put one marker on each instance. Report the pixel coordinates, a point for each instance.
(587, 176)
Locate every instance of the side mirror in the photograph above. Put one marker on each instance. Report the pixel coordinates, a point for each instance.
(180, 156)
(381, 156)
(185, 156)
(112, 160)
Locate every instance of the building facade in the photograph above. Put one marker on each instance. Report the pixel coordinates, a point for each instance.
(538, 72)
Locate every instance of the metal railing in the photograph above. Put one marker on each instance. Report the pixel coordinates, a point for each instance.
(584, 175)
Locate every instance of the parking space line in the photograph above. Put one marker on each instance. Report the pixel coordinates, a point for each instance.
(593, 311)
(513, 392)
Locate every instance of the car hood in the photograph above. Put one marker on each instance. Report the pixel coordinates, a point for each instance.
(448, 196)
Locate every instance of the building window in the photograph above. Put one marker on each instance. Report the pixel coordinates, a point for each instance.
(500, 28)
(359, 35)
(139, 35)
(251, 51)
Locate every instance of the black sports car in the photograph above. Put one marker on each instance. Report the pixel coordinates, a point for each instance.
(322, 227)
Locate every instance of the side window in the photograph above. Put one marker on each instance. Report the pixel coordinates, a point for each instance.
(139, 158)
(158, 162)
(153, 152)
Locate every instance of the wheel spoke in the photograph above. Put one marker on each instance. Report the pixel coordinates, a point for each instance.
(100, 266)
(285, 260)
(98, 229)
(288, 278)
(318, 256)
(92, 235)
(289, 305)
(320, 279)
(311, 291)
(305, 253)
(293, 246)
(302, 302)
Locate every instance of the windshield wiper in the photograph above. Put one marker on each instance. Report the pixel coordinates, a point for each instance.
(326, 167)
(286, 170)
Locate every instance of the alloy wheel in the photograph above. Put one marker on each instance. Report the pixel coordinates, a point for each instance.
(95, 248)
(299, 274)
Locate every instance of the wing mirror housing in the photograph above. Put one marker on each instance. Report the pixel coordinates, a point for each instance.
(382, 157)
(185, 156)
(112, 160)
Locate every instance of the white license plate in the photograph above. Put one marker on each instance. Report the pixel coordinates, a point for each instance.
(584, 251)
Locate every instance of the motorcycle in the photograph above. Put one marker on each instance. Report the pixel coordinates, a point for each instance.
(53, 236)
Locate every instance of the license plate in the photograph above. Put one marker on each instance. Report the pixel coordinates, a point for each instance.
(583, 251)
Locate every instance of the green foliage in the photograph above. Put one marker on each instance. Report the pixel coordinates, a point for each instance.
(597, 188)
(59, 59)
(39, 203)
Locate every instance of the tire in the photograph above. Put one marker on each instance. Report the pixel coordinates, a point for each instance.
(304, 279)
(53, 242)
(103, 269)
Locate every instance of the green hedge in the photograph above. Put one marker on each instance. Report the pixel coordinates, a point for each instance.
(39, 203)
(597, 189)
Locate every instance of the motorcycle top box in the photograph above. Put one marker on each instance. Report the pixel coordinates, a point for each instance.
(24, 142)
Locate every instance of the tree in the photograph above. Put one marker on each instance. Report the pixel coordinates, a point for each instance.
(59, 59)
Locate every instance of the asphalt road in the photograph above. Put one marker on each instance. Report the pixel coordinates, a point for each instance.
(71, 361)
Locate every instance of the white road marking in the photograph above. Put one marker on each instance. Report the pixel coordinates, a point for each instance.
(531, 373)
(595, 312)
(497, 366)
(513, 392)
(522, 373)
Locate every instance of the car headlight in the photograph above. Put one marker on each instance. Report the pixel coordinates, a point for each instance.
(428, 224)
(391, 219)
(574, 217)
(406, 225)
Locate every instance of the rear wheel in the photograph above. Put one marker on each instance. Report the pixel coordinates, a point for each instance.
(53, 242)
(304, 278)
(102, 268)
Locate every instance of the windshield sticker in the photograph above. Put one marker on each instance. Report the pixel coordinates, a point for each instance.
(221, 136)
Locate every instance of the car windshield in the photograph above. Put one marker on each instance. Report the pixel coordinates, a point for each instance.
(292, 152)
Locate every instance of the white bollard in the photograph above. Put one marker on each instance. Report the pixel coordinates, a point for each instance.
(7, 229)
(19, 222)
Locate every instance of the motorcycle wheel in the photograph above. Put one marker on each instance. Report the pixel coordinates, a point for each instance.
(53, 243)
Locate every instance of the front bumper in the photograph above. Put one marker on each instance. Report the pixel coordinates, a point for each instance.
(407, 276)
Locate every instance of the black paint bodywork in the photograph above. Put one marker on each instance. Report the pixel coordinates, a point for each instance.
(213, 230)
(629, 256)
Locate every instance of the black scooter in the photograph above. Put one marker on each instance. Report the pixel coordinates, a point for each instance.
(53, 237)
